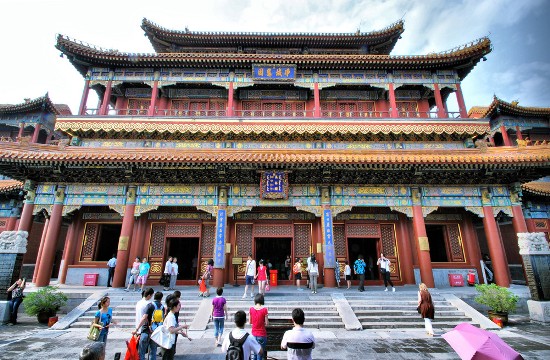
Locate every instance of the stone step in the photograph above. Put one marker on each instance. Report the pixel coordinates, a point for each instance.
(406, 312)
(377, 319)
(406, 325)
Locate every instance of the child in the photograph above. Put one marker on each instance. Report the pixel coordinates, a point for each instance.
(347, 273)
(203, 291)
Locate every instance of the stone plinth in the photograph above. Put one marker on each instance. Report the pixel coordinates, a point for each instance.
(535, 252)
(13, 245)
(539, 310)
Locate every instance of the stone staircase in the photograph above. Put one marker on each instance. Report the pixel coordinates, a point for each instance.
(124, 310)
(388, 310)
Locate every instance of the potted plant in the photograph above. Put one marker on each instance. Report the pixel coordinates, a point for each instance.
(44, 303)
(500, 301)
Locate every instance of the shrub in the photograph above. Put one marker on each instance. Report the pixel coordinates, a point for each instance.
(497, 298)
(45, 300)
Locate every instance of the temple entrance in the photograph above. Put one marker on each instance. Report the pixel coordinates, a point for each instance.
(369, 249)
(187, 251)
(275, 250)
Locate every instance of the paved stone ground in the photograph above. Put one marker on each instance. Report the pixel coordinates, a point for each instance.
(29, 340)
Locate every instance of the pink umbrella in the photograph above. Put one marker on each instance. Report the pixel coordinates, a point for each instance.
(473, 343)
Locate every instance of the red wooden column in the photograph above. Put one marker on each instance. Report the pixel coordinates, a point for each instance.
(84, 99)
(230, 99)
(36, 133)
(25, 222)
(505, 136)
(441, 112)
(12, 220)
(393, 102)
(50, 242)
(494, 242)
(460, 101)
(68, 253)
(21, 130)
(119, 279)
(41, 248)
(154, 96)
(220, 239)
(518, 220)
(404, 243)
(424, 259)
(107, 95)
(316, 100)
(518, 133)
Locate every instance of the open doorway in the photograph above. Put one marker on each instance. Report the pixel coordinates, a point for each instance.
(275, 250)
(187, 251)
(369, 249)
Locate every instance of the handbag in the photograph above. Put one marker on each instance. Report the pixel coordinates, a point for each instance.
(93, 334)
(267, 287)
(418, 309)
(163, 338)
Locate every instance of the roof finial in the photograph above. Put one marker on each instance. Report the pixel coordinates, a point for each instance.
(186, 29)
(515, 103)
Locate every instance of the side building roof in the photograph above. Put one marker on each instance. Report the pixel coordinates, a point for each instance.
(373, 42)
(501, 107)
(42, 103)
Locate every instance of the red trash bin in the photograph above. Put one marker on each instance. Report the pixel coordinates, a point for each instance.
(273, 277)
(456, 280)
(90, 279)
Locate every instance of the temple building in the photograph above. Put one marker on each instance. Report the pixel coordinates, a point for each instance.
(219, 145)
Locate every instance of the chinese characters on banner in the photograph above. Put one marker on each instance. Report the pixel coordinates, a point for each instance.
(219, 247)
(273, 72)
(328, 239)
(274, 185)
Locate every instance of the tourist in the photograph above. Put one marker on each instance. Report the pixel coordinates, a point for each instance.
(174, 273)
(141, 305)
(219, 315)
(174, 328)
(134, 272)
(16, 299)
(287, 267)
(261, 276)
(145, 327)
(249, 345)
(93, 351)
(347, 274)
(359, 268)
(313, 270)
(307, 270)
(175, 295)
(298, 342)
(297, 270)
(426, 308)
(385, 269)
(337, 273)
(208, 275)
(103, 318)
(111, 264)
(144, 268)
(167, 273)
(250, 275)
(259, 320)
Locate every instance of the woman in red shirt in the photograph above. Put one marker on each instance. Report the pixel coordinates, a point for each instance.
(261, 276)
(258, 320)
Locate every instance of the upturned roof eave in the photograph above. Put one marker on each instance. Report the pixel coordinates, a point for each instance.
(499, 107)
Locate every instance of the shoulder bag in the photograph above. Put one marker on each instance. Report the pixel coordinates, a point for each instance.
(163, 338)
(93, 334)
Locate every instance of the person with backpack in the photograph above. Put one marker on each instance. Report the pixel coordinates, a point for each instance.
(359, 268)
(259, 320)
(153, 318)
(298, 342)
(239, 344)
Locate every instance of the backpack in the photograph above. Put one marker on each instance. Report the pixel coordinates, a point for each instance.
(235, 349)
(359, 267)
(158, 316)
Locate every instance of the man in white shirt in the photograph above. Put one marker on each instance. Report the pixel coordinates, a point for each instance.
(167, 273)
(250, 344)
(173, 273)
(250, 274)
(141, 305)
(111, 264)
(385, 269)
(298, 342)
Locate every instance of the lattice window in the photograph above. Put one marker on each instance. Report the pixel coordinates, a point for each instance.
(89, 241)
(273, 231)
(181, 230)
(252, 108)
(329, 109)
(3, 223)
(339, 240)
(388, 240)
(455, 243)
(407, 108)
(208, 240)
(198, 108)
(363, 230)
(157, 240)
(138, 106)
(244, 239)
(541, 224)
(302, 240)
(179, 107)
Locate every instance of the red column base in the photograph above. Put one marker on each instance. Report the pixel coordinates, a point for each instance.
(217, 278)
(330, 280)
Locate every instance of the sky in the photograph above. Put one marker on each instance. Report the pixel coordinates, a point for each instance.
(518, 68)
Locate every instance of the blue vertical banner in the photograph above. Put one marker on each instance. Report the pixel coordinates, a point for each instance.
(328, 239)
(219, 247)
